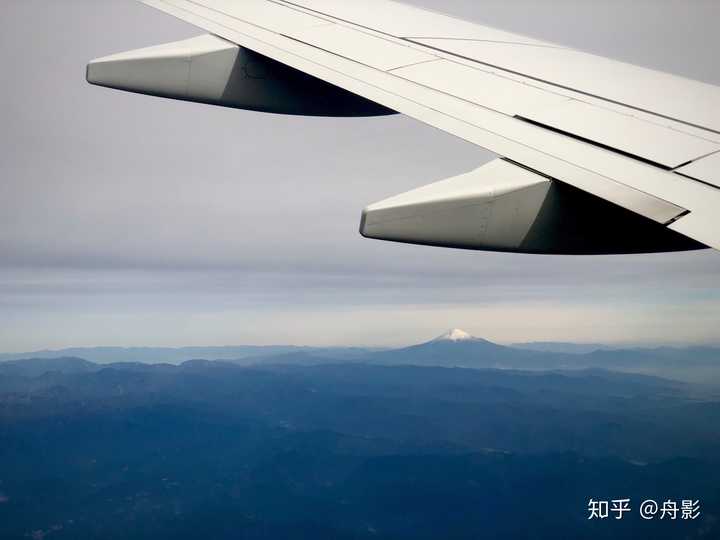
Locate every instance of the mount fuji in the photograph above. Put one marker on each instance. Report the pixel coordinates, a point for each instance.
(455, 335)
(457, 348)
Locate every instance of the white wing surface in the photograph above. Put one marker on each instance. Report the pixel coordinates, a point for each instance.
(573, 126)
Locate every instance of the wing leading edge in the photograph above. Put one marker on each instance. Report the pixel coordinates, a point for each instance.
(624, 160)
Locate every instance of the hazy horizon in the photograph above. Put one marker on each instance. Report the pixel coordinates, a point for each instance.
(368, 345)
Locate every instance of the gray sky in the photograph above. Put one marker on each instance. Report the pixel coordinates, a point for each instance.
(129, 220)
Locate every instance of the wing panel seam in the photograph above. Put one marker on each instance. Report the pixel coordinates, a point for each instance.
(568, 88)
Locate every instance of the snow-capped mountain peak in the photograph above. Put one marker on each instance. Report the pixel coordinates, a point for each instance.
(455, 335)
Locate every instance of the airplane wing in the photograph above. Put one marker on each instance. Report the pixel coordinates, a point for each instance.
(595, 155)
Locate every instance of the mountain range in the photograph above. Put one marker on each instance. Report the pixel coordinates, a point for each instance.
(402, 444)
(455, 348)
(177, 355)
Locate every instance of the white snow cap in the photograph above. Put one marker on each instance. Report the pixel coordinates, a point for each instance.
(455, 335)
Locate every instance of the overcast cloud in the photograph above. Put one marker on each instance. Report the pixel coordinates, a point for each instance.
(129, 220)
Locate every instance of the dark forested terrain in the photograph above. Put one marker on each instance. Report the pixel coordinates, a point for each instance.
(347, 451)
